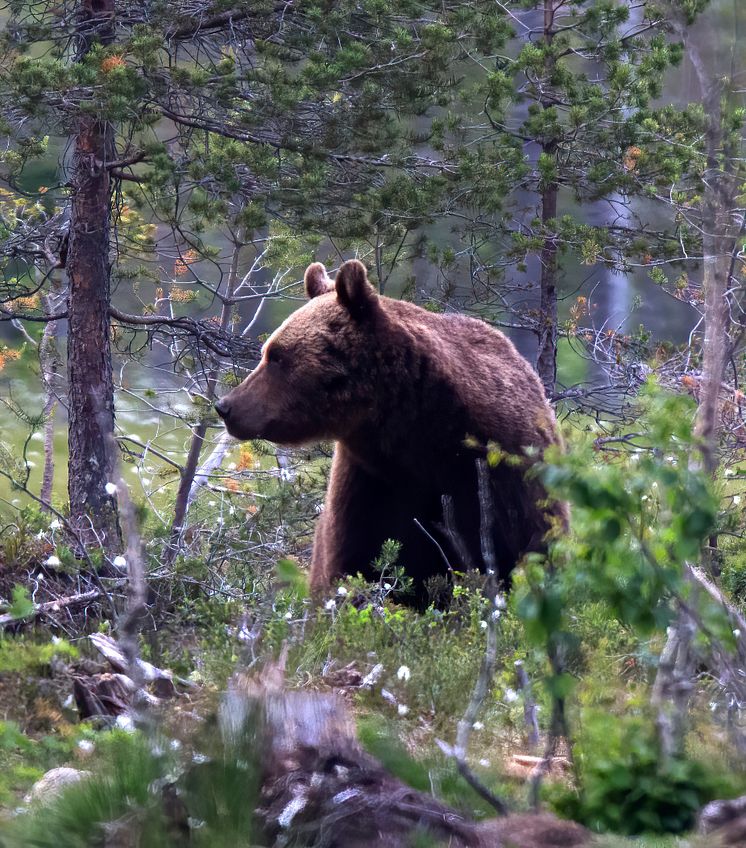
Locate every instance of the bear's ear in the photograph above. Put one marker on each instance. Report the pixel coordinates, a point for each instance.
(354, 291)
(316, 280)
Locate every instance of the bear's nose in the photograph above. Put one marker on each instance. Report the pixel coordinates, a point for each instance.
(222, 407)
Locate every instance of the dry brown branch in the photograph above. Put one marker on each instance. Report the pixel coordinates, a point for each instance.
(224, 344)
(52, 606)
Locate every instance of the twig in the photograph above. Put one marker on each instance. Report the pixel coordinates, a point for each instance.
(529, 705)
(437, 544)
(454, 537)
(128, 626)
(489, 659)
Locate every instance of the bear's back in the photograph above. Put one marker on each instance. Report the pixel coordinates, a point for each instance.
(499, 387)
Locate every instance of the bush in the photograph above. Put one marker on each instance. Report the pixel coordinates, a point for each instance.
(627, 789)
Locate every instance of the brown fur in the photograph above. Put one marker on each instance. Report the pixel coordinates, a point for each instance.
(400, 389)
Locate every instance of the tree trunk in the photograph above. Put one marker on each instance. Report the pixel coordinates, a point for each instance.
(546, 356)
(50, 365)
(718, 197)
(720, 231)
(546, 359)
(90, 385)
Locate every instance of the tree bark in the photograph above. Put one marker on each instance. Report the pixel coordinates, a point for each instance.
(716, 250)
(720, 230)
(91, 393)
(546, 356)
(546, 359)
(50, 365)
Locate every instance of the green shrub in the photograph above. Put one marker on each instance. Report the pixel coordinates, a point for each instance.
(627, 788)
(734, 569)
(149, 786)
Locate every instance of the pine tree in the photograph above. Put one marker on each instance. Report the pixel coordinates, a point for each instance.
(563, 106)
(264, 115)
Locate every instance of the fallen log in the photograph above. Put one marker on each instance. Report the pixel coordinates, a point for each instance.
(724, 822)
(319, 787)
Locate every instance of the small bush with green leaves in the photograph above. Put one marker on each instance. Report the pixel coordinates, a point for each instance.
(627, 788)
(734, 569)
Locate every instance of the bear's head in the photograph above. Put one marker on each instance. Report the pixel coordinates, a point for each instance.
(313, 380)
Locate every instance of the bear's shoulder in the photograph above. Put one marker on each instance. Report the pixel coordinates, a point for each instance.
(463, 335)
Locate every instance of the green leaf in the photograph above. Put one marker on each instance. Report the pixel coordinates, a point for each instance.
(21, 606)
(289, 572)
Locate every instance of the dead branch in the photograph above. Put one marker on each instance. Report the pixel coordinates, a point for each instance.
(454, 537)
(52, 606)
(206, 333)
(129, 623)
(487, 669)
(529, 705)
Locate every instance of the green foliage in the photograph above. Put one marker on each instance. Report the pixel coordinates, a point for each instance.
(350, 629)
(290, 574)
(628, 789)
(637, 519)
(121, 786)
(24, 759)
(734, 578)
(134, 775)
(21, 604)
(20, 655)
(639, 515)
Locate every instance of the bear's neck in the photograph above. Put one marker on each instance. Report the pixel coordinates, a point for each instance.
(417, 428)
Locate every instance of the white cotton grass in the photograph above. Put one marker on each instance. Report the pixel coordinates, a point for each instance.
(119, 562)
(111, 489)
(404, 673)
(55, 524)
(125, 722)
(402, 709)
(53, 561)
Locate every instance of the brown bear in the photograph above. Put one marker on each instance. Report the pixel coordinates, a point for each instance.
(411, 398)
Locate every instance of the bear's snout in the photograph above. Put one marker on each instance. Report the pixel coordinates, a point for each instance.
(244, 413)
(223, 408)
